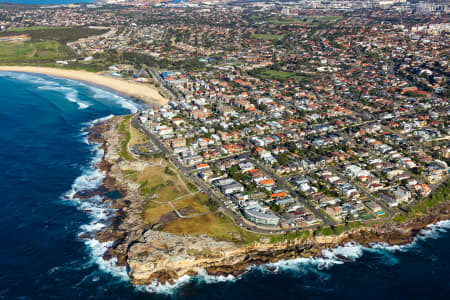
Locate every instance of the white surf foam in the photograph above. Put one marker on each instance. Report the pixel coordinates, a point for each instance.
(97, 250)
(100, 213)
(432, 231)
(126, 103)
(350, 251)
(35, 79)
(100, 120)
(170, 288)
(71, 94)
(46, 83)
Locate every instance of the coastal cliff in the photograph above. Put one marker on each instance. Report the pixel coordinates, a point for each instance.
(154, 255)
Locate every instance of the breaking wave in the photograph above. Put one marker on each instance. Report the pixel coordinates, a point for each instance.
(45, 82)
(100, 94)
(70, 94)
(91, 179)
(432, 231)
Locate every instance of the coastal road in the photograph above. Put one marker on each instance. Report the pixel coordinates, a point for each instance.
(161, 82)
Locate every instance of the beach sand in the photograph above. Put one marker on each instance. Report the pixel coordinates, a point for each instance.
(143, 92)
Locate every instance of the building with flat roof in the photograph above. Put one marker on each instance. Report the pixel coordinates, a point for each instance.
(257, 215)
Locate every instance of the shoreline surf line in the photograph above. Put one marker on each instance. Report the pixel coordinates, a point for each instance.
(147, 94)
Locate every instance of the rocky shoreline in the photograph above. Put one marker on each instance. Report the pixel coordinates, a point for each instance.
(152, 255)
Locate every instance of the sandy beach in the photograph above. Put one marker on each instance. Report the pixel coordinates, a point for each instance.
(145, 93)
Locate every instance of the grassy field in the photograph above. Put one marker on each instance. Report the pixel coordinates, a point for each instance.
(192, 202)
(215, 225)
(125, 138)
(158, 183)
(137, 137)
(269, 37)
(46, 46)
(279, 75)
(286, 21)
(153, 212)
(33, 51)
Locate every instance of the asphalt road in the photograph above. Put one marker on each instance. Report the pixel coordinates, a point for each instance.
(286, 186)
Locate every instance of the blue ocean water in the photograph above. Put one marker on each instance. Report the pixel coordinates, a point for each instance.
(45, 159)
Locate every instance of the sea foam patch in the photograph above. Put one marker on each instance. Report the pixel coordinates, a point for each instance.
(101, 94)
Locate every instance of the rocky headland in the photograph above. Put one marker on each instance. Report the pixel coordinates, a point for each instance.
(152, 255)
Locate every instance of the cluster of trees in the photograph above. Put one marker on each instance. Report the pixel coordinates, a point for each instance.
(139, 59)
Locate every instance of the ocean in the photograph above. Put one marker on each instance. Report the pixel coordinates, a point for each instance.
(45, 159)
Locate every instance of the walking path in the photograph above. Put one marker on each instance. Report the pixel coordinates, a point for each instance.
(189, 193)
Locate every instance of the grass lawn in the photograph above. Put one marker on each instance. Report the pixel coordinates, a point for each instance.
(154, 211)
(280, 75)
(270, 37)
(166, 187)
(33, 51)
(125, 136)
(15, 49)
(137, 137)
(191, 201)
(208, 224)
(46, 46)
